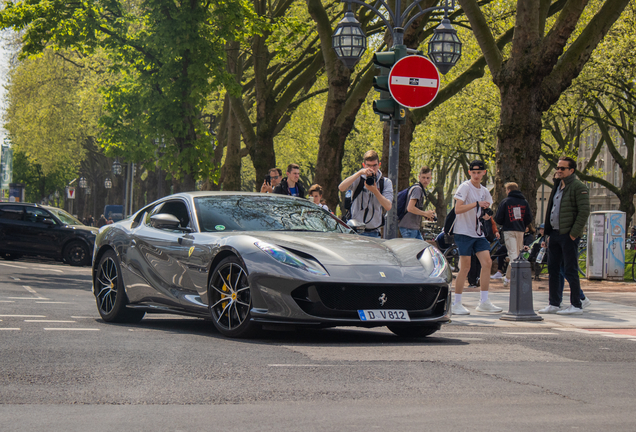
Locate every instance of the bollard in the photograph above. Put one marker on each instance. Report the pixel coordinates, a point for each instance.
(521, 308)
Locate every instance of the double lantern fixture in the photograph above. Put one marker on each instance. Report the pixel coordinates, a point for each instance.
(108, 183)
(350, 42)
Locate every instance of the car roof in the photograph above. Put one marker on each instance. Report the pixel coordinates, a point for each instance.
(30, 205)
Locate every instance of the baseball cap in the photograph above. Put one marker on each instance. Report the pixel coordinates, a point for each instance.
(541, 226)
(477, 165)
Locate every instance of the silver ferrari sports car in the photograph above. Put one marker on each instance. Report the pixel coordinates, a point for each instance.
(250, 261)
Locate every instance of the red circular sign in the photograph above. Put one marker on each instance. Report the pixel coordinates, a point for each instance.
(414, 81)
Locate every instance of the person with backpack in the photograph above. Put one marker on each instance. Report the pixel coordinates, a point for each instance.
(471, 201)
(514, 214)
(372, 194)
(410, 206)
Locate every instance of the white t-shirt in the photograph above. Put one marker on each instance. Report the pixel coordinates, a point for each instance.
(466, 223)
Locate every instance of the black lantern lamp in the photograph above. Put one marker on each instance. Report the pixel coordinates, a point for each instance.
(116, 167)
(83, 183)
(107, 183)
(349, 41)
(444, 48)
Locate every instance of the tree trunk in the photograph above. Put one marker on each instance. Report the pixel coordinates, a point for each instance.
(231, 171)
(518, 142)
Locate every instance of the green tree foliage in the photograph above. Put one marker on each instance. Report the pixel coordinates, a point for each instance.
(553, 40)
(168, 58)
(601, 102)
(53, 111)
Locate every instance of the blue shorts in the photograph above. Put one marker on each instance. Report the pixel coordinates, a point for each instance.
(469, 245)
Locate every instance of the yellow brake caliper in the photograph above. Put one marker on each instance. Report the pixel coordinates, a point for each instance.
(227, 289)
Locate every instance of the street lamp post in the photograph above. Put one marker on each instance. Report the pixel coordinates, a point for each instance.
(349, 42)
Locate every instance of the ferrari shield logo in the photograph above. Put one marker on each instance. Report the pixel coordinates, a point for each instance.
(382, 274)
(190, 251)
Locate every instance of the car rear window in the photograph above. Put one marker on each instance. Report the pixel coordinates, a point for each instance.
(266, 213)
(11, 212)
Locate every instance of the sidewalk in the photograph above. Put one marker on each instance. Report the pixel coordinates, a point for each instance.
(613, 307)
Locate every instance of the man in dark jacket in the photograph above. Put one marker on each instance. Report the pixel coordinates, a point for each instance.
(514, 215)
(566, 217)
(289, 185)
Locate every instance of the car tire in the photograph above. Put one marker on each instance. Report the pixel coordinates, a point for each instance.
(76, 253)
(230, 303)
(110, 294)
(10, 256)
(412, 332)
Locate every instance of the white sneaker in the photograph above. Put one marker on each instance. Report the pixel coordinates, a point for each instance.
(585, 303)
(506, 282)
(487, 306)
(549, 309)
(497, 275)
(572, 310)
(459, 309)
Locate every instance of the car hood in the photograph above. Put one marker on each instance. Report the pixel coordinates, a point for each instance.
(334, 249)
(83, 228)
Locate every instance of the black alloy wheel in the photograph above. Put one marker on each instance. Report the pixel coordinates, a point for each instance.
(230, 299)
(76, 254)
(413, 331)
(109, 292)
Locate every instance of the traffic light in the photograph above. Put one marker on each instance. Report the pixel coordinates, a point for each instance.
(386, 107)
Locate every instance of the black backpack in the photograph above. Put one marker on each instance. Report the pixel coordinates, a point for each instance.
(403, 198)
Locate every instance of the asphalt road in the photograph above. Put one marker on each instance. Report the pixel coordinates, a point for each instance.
(63, 369)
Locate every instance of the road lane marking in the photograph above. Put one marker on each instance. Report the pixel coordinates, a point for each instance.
(7, 301)
(71, 329)
(301, 365)
(15, 266)
(28, 298)
(82, 317)
(53, 302)
(47, 269)
(23, 316)
(14, 278)
(50, 321)
(529, 333)
(9, 328)
(31, 290)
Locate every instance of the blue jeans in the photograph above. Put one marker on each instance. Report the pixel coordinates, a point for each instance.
(375, 234)
(411, 233)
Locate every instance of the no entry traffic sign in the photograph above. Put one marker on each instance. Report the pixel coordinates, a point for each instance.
(414, 81)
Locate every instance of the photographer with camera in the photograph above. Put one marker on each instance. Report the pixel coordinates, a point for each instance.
(272, 179)
(289, 185)
(514, 215)
(412, 221)
(372, 194)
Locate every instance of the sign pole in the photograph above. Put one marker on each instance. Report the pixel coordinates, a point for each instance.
(391, 228)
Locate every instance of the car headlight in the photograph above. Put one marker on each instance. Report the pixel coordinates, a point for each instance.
(434, 263)
(285, 257)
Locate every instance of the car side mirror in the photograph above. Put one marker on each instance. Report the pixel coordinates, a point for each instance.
(356, 225)
(48, 221)
(164, 221)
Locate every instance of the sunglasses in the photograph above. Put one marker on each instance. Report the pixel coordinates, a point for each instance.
(562, 168)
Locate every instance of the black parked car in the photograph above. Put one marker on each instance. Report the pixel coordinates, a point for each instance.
(33, 229)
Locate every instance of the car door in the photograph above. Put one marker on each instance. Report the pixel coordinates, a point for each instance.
(39, 237)
(164, 257)
(11, 217)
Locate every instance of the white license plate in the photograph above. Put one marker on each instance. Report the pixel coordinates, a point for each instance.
(384, 315)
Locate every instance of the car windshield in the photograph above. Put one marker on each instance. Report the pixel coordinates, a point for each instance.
(264, 213)
(64, 217)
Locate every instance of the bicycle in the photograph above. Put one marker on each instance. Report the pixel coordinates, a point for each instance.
(452, 254)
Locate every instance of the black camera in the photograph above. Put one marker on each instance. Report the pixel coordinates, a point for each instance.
(268, 179)
(370, 180)
(487, 211)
